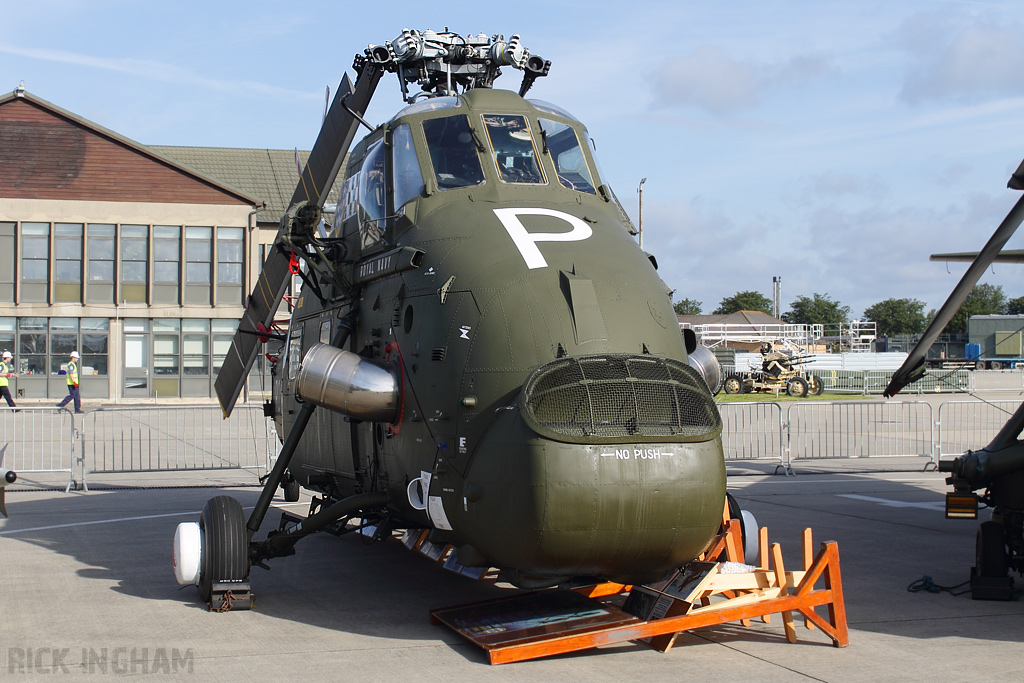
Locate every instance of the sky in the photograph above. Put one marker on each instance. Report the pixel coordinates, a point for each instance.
(832, 144)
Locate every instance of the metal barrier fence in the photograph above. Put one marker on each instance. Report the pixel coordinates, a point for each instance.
(859, 430)
(167, 438)
(972, 425)
(752, 431)
(39, 440)
(868, 382)
(998, 380)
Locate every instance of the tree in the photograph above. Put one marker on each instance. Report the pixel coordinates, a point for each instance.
(897, 316)
(984, 299)
(744, 301)
(688, 307)
(1015, 306)
(816, 309)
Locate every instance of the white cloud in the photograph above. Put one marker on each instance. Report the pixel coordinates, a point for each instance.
(158, 71)
(710, 78)
(963, 63)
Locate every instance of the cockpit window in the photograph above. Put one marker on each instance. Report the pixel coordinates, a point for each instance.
(371, 196)
(453, 152)
(514, 153)
(552, 109)
(566, 152)
(408, 179)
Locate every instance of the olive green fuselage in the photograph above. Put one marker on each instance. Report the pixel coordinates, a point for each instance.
(513, 276)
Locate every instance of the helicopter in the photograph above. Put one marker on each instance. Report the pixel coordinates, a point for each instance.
(499, 362)
(998, 468)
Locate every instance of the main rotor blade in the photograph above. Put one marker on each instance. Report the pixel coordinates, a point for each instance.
(325, 159)
(262, 304)
(1005, 256)
(914, 366)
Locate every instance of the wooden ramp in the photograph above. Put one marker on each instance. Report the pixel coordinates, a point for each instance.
(716, 589)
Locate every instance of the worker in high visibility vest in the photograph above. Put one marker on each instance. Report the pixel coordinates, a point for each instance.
(72, 376)
(6, 371)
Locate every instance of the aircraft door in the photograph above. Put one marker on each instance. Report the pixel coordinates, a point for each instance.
(441, 337)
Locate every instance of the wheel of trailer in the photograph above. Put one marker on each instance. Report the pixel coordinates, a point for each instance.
(225, 544)
(291, 489)
(815, 386)
(797, 387)
(990, 551)
(996, 365)
(733, 384)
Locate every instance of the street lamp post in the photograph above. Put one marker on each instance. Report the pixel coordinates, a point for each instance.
(640, 230)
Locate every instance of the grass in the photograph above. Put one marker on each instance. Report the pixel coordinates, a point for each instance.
(723, 397)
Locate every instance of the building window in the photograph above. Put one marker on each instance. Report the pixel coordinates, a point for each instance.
(101, 257)
(101, 253)
(198, 255)
(229, 256)
(35, 261)
(223, 334)
(31, 346)
(195, 342)
(7, 252)
(166, 338)
(229, 265)
(166, 254)
(95, 338)
(134, 262)
(63, 340)
(69, 252)
(7, 337)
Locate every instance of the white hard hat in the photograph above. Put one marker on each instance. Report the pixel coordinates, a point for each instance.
(74, 354)
(7, 354)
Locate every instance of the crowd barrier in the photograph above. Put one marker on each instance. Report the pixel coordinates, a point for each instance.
(174, 438)
(39, 440)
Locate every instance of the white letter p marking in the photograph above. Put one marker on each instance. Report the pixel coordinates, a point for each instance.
(526, 242)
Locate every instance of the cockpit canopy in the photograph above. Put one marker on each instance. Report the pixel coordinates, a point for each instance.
(498, 136)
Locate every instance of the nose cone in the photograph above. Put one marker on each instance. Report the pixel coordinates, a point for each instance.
(633, 493)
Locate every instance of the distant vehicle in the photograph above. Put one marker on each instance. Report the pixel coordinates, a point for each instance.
(778, 372)
(500, 361)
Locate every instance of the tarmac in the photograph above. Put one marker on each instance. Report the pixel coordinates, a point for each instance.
(89, 592)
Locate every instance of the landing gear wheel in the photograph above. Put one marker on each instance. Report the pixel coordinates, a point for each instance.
(225, 544)
(990, 551)
(734, 384)
(815, 386)
(748, 529)
(291, 489)
(797, 387)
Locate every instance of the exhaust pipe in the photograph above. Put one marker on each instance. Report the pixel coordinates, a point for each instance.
(349, 384)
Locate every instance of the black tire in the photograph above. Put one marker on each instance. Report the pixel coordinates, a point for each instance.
(797, 387)
(291, 490)
(990, 551)
(225, 544)
(815, 386)
(733, 384)
(736, 513)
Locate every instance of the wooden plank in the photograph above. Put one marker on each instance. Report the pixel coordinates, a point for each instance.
(780, 577)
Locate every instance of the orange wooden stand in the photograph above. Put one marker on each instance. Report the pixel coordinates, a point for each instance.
(724, 595)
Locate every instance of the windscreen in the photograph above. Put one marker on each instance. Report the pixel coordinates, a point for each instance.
(453, 152)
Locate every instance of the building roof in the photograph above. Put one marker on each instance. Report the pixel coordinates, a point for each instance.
(219, 182)
(270, 175)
